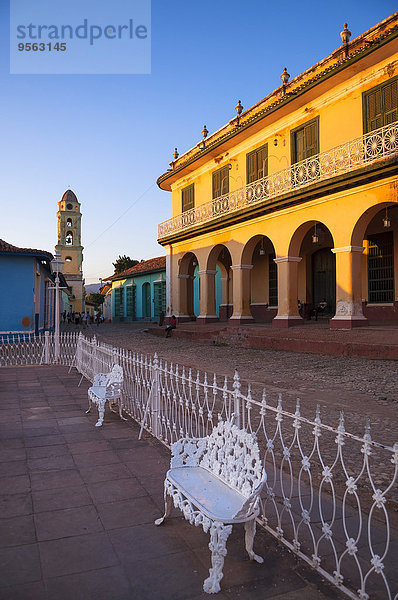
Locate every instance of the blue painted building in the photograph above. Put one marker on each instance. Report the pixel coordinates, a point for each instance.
(139, 293)
(27, 300)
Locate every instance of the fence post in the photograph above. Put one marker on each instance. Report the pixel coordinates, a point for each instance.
(155, 396)
(46, 348)
(236, 386)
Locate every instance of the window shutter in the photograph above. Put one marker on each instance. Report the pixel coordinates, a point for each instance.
(188, 198)
(374, 110)
(311, 139)
(131, 301)
(221, 182)
(257, 164)
(251, 167)
(390, 101)
(299, 145)
(262, 162)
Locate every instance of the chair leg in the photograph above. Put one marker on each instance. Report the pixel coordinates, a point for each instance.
(218, 540)
(250, 532)
(89, 405)
(167, 509)
(101, 411)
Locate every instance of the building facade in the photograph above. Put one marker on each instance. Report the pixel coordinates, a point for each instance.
(139, 293)
(28, 297)
(294, 202)
(70, 248)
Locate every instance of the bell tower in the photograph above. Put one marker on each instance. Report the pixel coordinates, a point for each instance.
(69, 246)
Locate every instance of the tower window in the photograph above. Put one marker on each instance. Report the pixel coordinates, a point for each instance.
(69, 206)
(69, 238)
(69, 222)
(68, 259)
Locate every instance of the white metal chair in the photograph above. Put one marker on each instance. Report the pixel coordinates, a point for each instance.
(107, 387)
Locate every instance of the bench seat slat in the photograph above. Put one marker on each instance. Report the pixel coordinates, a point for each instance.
(207, 492)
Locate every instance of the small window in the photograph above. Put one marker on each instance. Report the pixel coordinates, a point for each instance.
(69, 222)
(69, 238)
(221, 182)
(257, 164)
(188, 198)
(305, 141)
(68, 259)
(380, 105)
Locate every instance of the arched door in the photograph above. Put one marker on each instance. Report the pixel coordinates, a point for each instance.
(146, 301)
(324, 279)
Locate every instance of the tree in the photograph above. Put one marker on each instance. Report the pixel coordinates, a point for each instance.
(123, 263)
(97, 299)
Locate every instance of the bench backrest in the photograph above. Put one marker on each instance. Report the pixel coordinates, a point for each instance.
(114, 381)
(232, 454)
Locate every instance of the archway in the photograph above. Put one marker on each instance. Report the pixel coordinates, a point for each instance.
(308, 272)
(188, 271)
(377, 232)
(259, 252)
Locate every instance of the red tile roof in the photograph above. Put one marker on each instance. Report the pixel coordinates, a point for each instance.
(145, 266)
(5, 247)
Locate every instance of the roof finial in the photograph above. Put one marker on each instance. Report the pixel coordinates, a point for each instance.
(345, 38)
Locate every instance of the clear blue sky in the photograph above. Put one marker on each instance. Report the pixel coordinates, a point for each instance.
(108, 137)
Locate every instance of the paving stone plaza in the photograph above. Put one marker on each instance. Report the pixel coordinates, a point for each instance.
(79, 502)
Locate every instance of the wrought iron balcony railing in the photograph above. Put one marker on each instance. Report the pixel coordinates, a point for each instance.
(367, 149)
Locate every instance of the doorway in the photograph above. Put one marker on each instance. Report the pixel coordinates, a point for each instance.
(324, 279)
(146, 301)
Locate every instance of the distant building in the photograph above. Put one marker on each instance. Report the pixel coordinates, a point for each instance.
(70, 248)
(139, 293)
(106, 308)
(294, 201)
(27, 300)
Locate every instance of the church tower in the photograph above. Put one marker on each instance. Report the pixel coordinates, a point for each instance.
(69, 246)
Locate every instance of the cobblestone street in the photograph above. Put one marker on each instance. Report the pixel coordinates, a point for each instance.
(361, 387)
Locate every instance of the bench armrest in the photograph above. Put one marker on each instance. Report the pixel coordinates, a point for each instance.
(251, 504)
(187, 452)
(100, 379)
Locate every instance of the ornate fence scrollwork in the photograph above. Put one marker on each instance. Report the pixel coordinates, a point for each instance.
(381, 143)
(330, 495)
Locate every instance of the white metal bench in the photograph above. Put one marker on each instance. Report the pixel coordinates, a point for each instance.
(107, 387)
(216, 481)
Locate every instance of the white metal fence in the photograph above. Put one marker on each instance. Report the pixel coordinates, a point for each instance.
(331, 497)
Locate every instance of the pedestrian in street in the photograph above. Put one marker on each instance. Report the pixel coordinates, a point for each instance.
(172, 325)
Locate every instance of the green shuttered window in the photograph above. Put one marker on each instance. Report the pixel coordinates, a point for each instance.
(221, 182)
(188, 197)
(159, 292)
(380, 105)
(131, 301)
(257, 164)
(305, 141)
(118, 298)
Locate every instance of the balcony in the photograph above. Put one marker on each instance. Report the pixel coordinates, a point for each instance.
(365, 150)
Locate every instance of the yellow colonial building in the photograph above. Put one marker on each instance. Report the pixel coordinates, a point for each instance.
(293, 204)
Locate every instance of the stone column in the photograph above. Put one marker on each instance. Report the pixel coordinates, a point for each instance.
(348, 288)
(288, 315)
(207, 297)
(241, 295)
